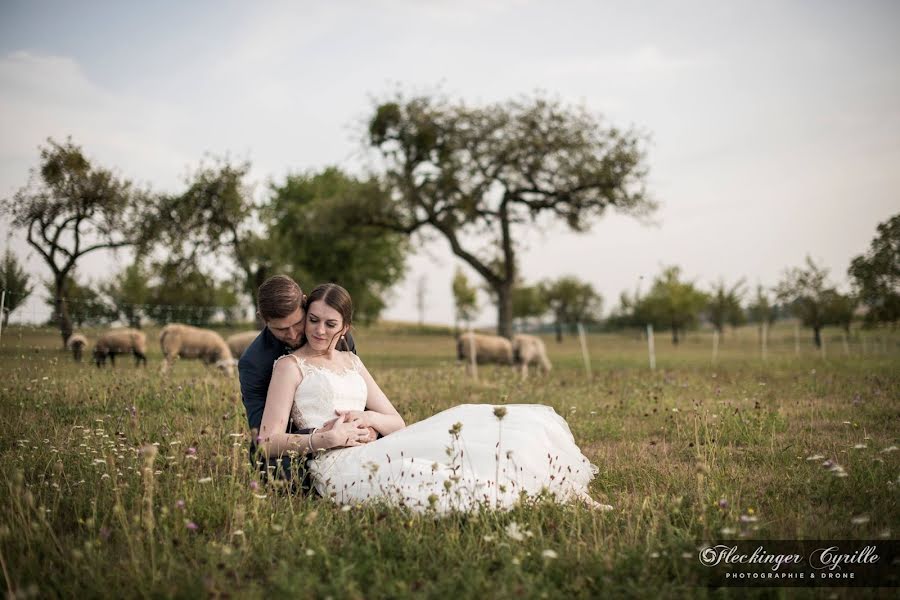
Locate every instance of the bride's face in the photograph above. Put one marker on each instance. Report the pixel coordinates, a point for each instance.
(324, 326)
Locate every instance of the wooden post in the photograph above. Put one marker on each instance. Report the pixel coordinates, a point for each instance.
(765, 340)
(650, 347)
(2, 310)
(822, 341)
(797, 339)
(584, 350)
(846, 345)
(715, 344)
(473, 364)
(865, 346)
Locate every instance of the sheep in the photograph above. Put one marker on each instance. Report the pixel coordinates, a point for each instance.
(529, 349)
(76, 344)
(184, 341)
(120, 341)
(488, 348)
(239, 342)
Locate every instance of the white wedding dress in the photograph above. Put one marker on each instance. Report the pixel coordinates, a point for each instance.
(486, 461)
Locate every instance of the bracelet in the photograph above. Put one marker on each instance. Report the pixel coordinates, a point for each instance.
(310, 448)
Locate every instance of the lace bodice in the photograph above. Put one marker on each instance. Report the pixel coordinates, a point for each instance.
(322, 391)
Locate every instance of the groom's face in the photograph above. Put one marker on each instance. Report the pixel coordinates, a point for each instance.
(289, 329)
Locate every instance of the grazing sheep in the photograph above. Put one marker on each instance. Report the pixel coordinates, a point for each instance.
(184, 341)
(76, 344)
(120, 341)
(239, 342)
(488, 348)
(528, 350)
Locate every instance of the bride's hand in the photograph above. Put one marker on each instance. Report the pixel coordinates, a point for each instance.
(347, 433)
(360, 417)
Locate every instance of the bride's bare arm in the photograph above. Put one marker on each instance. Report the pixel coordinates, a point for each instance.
(380, 413)
(274, 441)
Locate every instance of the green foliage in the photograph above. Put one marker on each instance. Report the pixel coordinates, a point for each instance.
(183, 293)
(724, 305)
(71, 208)
(465, 298)
(85, 303)
(839, 309)
(571, 301)
(876, 274)
(808, 294)
(529, 302)
(15, 281)
(129, 291)
(481, 172)
(671, 303)
(761, 309)
(316, 235)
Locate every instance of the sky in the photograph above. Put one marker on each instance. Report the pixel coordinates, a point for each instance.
(773, 127)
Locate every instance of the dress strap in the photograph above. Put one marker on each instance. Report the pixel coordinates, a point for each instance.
(301, 363)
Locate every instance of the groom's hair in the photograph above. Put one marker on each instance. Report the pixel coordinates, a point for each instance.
(278, 297)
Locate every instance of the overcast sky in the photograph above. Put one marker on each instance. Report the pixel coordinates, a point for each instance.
(774, 126)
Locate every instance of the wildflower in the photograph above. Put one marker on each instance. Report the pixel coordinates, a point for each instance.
(860, 519)
(889, 449)
(654, 555)
(815, 457)
(179, 504)
(191, 525)
(549, 554)
(260, 496)
(723, 503)
(516, 561)
(204, 480)
(457, 427)
(346, 508)
(515, 533)
(149, 451)
(488, 538)
(748, 519)
(499, 412)
(310, 552)
(727, 531)
(254, 485)
(191, 451)
(859, 446)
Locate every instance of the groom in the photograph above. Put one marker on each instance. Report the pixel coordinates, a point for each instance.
(280, 305)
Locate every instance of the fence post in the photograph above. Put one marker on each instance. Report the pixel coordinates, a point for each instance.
(822, 341)
(473, 364)
(846, 345)
(715, 344)
(2, 310)
(797, 339)
(584, 350)
(650, 347)
(765, 340)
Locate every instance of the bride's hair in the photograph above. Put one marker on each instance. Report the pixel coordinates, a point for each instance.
(337, 298)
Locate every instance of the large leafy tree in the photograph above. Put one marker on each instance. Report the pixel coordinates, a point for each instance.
(807, 292)
(724, 305)
(761, 309)
(876, 274)
(529, 302)
(184, 293)
(71, 208)
(217, 215)
(15, 281)
(316, 236)
(85, 303)
(671, 303)
(479, 175)
(571, 301)
(465, 298)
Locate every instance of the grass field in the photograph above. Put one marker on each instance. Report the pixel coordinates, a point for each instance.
(694, 451)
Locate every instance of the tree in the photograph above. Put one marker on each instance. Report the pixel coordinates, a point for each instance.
(465, 298)
(761, 310)
(86, 305)
(129, 291)
(528, 302)
(839, 309)
(482, 173)
(71, 208)
(671, 303)
(571, 301)
(182, 292)
(316, 236)
(807, 292)
(876, 274)
(217, 214)
(15, 282)
(724, 305)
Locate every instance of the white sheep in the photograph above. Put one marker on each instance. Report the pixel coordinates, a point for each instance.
(76, 344)
(530, 350)
(121, 341)
(239, 342)
(488, 348)
(183, 341)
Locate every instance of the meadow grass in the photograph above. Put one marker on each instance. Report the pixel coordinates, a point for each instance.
(119, 482)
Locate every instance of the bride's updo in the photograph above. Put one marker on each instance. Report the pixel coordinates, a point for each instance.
(337, 298)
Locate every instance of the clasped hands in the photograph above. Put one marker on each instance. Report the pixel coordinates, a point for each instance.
(350, 428)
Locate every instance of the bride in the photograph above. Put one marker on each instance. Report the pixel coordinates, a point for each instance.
(463, 458)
